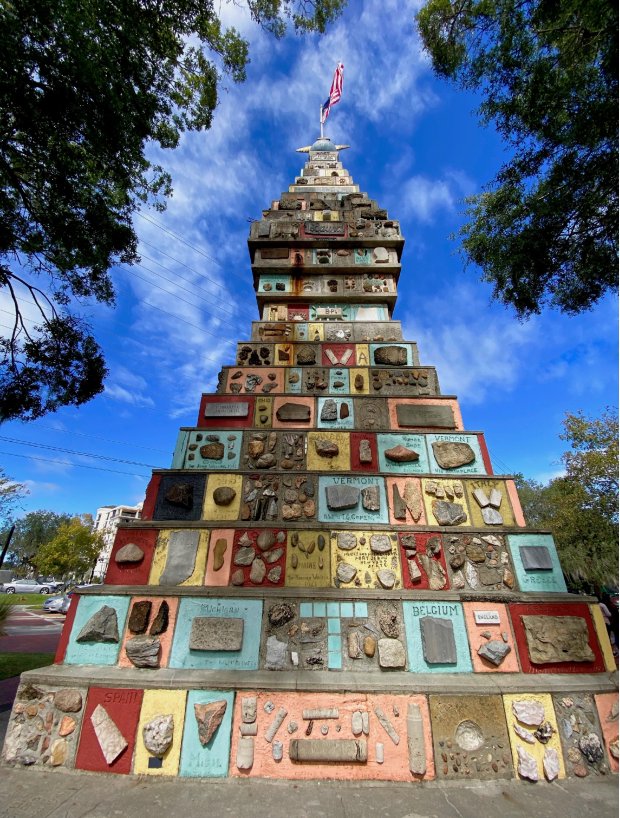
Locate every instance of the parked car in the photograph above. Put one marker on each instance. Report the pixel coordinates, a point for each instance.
(54, 584)
(27, 586)
(55, 604)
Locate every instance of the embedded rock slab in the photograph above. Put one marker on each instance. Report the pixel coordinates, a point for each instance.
(371, 498)
(527, 767)
(401, 454)
(380, 543)
(329, 410)
(111, 740)
(101, 627)
(391, 653)
(438, 642)
(345, 572)
(158, 733)
(494, 651)
(391, 356)
(447, 513)
(180, 557)
(216, 633)
(440, 417)
(139, 617)
(293, 413)
(340, 498)
(451, 455)
(529, 712)
(68, 700)
(328, 750)
(416, 742)
(553, 639)
(129, 553)
(143, 651)
(535, 557)
(209, 717)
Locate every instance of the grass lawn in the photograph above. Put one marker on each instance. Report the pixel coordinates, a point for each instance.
(12, 664)
(26, 599)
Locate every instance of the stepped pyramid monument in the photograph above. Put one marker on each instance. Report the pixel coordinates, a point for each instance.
(329, 581)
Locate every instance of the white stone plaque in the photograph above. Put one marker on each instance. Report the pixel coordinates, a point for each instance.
(329, 312)
(227, 410)
(487, 618)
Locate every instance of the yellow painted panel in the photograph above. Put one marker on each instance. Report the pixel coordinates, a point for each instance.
(161, 552)
(283, 355)
(537, 750)
(505, 508)
(451, 489)
(161, 703)
(312, 569)
(341, 462)
(263, 409)
(316, 332)
(362, 355)
(211, 511)
(352, 373)
(366, 561)
(603, 637)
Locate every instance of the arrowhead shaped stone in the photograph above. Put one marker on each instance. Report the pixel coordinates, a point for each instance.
(209, 717)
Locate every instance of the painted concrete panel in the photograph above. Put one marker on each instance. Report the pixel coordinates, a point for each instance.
(362, 355)
(366, 562)
(413, 612)
(536, 580)
(123, 706)
(161, 556)
(218, 577)
(210, 760)
(475, 467)
(164, 637)
(131, 573)
(316, 462)
(268, 563)
(534, 748)
(442, 490)
(226, 415)
(279, 402)
(431, 402)
(339, 384)
(353, 515)
(607, 707)
(480, 621)
(160, 703)
(358, 381)
(504, 511)
(307, 559)
(363, 446)
(293, 380)
(213, 511)
(339, 422)
(95, 653)
(250, 610)
(197, 446)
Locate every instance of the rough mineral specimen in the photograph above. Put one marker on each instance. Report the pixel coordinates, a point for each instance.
(224, 495)
(143, 651)
(553, 639)
(128, 554)
(158, 733)
(101, 627)
(450, 455)
(209, 717)
(111, 740)
(401, 454)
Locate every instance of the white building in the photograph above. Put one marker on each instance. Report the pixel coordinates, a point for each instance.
(107, 520)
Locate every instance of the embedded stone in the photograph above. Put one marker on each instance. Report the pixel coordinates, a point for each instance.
(101, 627)
(399, 509)
(236, 578)
(157, 734)
(221, 546)
(212, 451)
(529, 712)
(380, 543)
(369, 646)
(545, 732)
(535, 558)
(180, 557)
(58, 752)
(481, 498)
(293, 413)
(326, 448)
(491, 516)
(281, 613)
(306, 356)
(365, 452)
(224, 495)
(258, 571)
(438, 642)
(391, 653)
(265, 540)
(273, 556)
(266, 461)
(590, 745)
(248, 709)
(356, 723)
(495, 498)
(401, 454)
(411, 415)
(551, 763)
(340, 498)
(291, 511)
(413, 499)
(371, 498)
(328, 750)
(347, 540)
(527, 767)
(329, 410)
(447, 513)
(475, 552)
(452, 455)
(494, 651)
(139, 616)
(128, 554)
(524, 734)
(245, 753)
(245, 556)
(216, 633)
(391, 356)
(143, 651)
(387, 578)
(209, 717)
(358, 382)
(68, 700)
(256, 448)
(276, 656)
(67, 726)
(275, 574)
(387, 725)
(160, 623)
(553, 639)
(414, 572)
(181, 495)
(345, 572)
(416, 740)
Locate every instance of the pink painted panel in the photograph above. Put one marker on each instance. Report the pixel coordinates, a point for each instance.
(165, 638)
(400, 482)
(264, 372)
(304, 401)
(451, 402)
(474, 632)
(605, 703)
(219, 578)
(516, 503)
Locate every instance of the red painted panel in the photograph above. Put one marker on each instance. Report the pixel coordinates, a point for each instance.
(66, 631)
(581, 609)
(225, 423)
(340, 351)
(281, 562)
(421, 539)
(296, 310)
(356, 437)
(132, 573)
(123, 706)
(151, 497)
(485, 453)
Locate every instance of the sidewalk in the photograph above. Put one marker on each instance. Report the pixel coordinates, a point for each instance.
(48, 794)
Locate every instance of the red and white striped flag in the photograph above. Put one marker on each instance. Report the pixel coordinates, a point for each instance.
(335, 92)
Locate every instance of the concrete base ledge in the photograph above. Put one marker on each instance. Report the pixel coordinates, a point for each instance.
(473, 684)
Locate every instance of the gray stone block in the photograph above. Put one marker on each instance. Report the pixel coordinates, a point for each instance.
(535, 557)
(216, 633)
(340, 498)
(181, 557)
(438, 642)
(341, 749)
(432, 417)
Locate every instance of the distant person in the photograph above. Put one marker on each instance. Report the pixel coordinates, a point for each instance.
(607, 620)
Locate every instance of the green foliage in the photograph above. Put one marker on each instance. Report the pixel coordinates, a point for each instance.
(581, 508)
(73, 550)
(14, 664)
(85, 87)
(32, 531)
(546, 230)
(10, 495)
(6, 606)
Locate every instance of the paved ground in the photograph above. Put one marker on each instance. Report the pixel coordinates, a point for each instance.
(37, 794)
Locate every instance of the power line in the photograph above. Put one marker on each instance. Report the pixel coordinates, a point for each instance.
(73, 451)
(176, 236)
(69, 463)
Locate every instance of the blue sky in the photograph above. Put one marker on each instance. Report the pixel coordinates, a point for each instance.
(417, 148)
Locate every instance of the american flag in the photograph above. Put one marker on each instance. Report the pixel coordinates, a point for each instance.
(335, 92)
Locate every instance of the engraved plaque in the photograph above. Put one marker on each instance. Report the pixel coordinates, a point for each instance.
(227, 410)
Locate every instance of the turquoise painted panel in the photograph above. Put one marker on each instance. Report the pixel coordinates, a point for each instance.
(536, 580)
(359, 513)
(179, 450)
(367, 312)
(295, 386)
(338, 382)
(210, 761)
(232, 450)
(413, 613)
(305, 610)
(361, 609)
(415, 442)
(245, 659)
(269, 282)
(362, 255)
(374, 347)
(339, 423)
(96, 653)
(475, 467)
